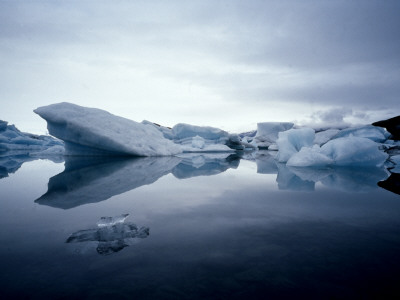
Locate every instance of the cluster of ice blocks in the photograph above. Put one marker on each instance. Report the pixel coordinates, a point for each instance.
(95, 132)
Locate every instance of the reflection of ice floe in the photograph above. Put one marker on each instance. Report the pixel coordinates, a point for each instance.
(204, 164)
(81, 183)
(113, 234)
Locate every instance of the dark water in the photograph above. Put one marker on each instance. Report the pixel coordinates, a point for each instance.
(198, 228)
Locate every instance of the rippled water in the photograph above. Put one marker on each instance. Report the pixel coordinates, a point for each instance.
(199, 227)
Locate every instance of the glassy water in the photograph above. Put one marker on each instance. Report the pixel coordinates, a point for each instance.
(196, 227)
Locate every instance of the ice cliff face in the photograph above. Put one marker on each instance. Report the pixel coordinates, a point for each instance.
(91, 131)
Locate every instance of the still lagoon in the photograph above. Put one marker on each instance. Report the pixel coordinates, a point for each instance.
(195, 227)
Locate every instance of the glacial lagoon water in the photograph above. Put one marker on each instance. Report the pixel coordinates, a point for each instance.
(195, 227)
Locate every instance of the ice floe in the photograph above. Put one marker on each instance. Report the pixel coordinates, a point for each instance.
(92, 131)
(14, 142)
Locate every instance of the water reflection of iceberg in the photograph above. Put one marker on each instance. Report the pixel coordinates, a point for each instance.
(88, 181)
(205, 164)
(113, 234)
(11, 163)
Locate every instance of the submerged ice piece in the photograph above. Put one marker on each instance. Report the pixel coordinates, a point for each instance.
(113, 234)
(91, 131)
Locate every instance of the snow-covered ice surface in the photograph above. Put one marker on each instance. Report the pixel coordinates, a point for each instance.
(92, 131)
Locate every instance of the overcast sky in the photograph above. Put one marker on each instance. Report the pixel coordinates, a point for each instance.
(228, 64)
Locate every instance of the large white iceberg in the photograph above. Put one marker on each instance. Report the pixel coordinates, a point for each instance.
(92, 131)
(267, 132)
(345, 151)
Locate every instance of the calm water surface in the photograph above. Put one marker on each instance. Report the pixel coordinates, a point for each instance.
(199, 227)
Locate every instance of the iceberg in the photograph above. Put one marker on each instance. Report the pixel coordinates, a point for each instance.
(14, 142)
(291, 141)
(310, 157)
(204, 139)
(182, 131)
(92, 131)
(344, 151)
(376, 134)
(267, 133)
(324, 136)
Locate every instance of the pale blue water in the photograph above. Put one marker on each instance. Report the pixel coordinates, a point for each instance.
(217, 229)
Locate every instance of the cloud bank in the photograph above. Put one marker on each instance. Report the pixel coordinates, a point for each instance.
(229, 64)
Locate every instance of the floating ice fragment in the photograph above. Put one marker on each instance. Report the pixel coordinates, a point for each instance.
(110, 221)
(112, 234)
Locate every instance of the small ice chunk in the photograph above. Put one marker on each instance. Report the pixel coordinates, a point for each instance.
(110, 221)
